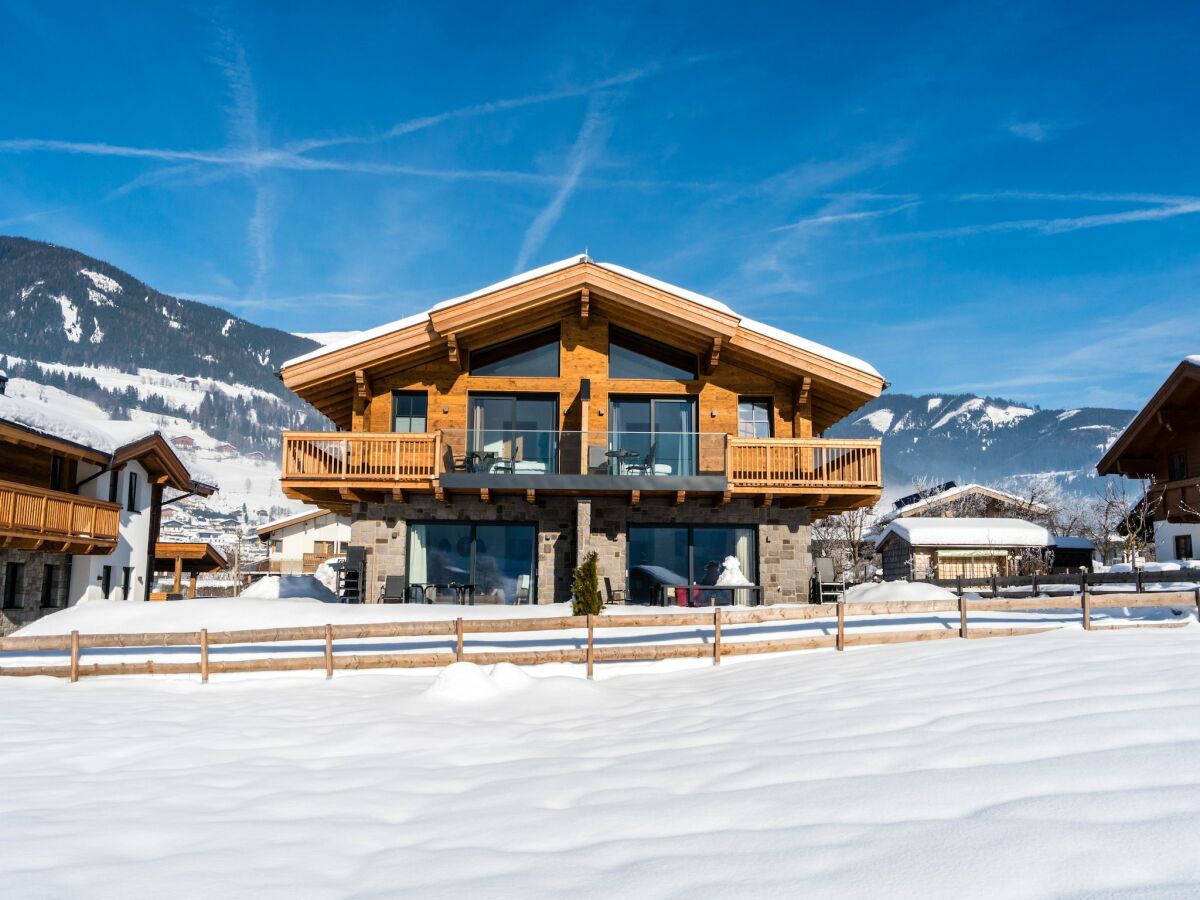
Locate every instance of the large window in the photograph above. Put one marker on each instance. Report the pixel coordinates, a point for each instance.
(754, 417)
(106, 577)
(1183, 546)
(114, 481)
(513, 433)
(652, 435)
(1177, 467)
(498, 559)
(529, 356)
(131, 495)
(410, 411)
(664, 557)
(635, 357)
(49, 585)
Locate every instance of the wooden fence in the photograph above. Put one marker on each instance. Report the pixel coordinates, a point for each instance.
(454, 631)
(1018, 585)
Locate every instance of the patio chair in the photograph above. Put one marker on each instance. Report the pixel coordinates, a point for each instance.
(522, 594)
(648, 466)
(392, 590)
(614, 596)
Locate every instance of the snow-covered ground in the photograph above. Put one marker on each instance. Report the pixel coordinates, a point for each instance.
(1055, 765)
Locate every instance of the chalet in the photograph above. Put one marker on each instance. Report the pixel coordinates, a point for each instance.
(941, 547)
(298, 544)
(1161, 447)
(80, 507)
(498, 438)
(183, 442)
(226, 449)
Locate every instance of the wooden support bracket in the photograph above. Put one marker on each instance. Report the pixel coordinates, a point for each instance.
(679, 497)
(400, 495)
(764, 500)
(722, 499)
(585, 308)
(635, 497)
(530, 496)
(362, 391)
(454, 351)
(485, 495)
(350, 495)
(714, 356)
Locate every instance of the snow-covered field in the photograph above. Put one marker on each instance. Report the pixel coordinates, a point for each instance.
(1061, 764)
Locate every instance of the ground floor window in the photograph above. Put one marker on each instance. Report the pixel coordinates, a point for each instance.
(50, 585)
(106, 580)
(498, 559)
(14, 574)
(670, 555)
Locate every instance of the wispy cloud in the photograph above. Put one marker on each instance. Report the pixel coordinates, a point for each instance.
(1157, 209)
(589, 144)
(836, 218)
(1030, 131)
(481, 109)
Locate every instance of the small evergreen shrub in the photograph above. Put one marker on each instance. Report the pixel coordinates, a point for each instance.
(585, 588)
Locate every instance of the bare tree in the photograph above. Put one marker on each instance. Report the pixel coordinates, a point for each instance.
(843, 538)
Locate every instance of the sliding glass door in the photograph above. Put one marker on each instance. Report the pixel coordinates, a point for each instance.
(513, 433)
(652, 435)
(497, 558)
(667, 556)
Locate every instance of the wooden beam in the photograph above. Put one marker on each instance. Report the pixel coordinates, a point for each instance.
(455, 351)
(400, 495)
(680, 496)
(635, 497)
(440, 495)
(722, 499)
(485, 495)
(530, 496)
(178, 574)
(714, 356)
(802, 390)
(362, 391)
(349, 495)
(585, 308)
(764, 500)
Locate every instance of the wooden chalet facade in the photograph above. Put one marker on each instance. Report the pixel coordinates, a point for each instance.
(501, 436)
(79, 509)
(1161, 447)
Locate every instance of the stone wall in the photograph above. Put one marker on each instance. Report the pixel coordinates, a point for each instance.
(28, 602)
(784, 556)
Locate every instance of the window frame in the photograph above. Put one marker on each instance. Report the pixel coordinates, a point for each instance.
(691, 529)
(57, 471)
(752, 400)
(504, 350)
(658, 351)
(114, 485)
(14, 585)
(474, 527)
(1183, 541)
(409, 395)
(131, 492)
(106, 580)
(49, 599)
(1177, 465)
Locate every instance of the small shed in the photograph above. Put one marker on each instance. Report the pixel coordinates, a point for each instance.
(974, 548)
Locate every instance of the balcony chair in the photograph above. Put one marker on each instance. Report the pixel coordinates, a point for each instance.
(392, 590)
(614, 595)
(648, 466)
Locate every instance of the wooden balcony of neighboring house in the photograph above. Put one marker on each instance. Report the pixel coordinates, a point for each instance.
(1175, 501)
(334, 469)
(35, 518)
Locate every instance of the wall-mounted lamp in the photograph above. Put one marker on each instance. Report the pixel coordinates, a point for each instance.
(599, 412)
(712, 413)
(445, 410)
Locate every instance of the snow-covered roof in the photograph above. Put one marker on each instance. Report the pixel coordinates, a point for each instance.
(769, 331)
(102, 435)
(1071, 542)
(968, 532)
(962, 489)
(294, 519)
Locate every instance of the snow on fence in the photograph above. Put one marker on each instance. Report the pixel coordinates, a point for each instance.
(454, 631)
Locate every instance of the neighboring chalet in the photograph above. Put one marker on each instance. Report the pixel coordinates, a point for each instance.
(499, 437)
(80, 506)
(298, 544)
(938, 547)
(965, 501)
(1161, 446)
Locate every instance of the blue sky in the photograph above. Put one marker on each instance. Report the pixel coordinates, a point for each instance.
(1000, 198)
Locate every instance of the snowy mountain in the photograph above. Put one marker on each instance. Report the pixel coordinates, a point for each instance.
(985, 439)
(80, 324)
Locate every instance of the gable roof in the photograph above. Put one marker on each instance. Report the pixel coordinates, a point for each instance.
(517, 304)
(308, 515)
(1131, 454)
(951, 494)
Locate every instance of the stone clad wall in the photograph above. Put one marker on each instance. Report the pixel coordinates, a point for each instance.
(784, 557)
(29, 599)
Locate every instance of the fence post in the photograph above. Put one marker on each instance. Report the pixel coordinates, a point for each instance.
(74, 656)
(328, 652)
(841, 622)
(960, 587)
(995, 587)
(1140, 588)
(1085, 604)
(204, 656)
(717, 636)
(590, 650)
(1198, 603)
(458, 642)
(1035, 584)
(962, 615)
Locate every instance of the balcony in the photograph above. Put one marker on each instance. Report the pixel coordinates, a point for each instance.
(332, 468)
(1175, 501)
(35, 518)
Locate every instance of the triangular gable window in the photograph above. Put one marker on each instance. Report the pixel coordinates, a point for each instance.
(529, 356)
(635, 357)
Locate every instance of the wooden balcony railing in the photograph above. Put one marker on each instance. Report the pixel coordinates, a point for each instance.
(332, 458)
(360, 456)
(804, 462)
(35, 513)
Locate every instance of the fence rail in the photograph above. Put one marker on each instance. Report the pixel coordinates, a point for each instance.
(455, 630)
